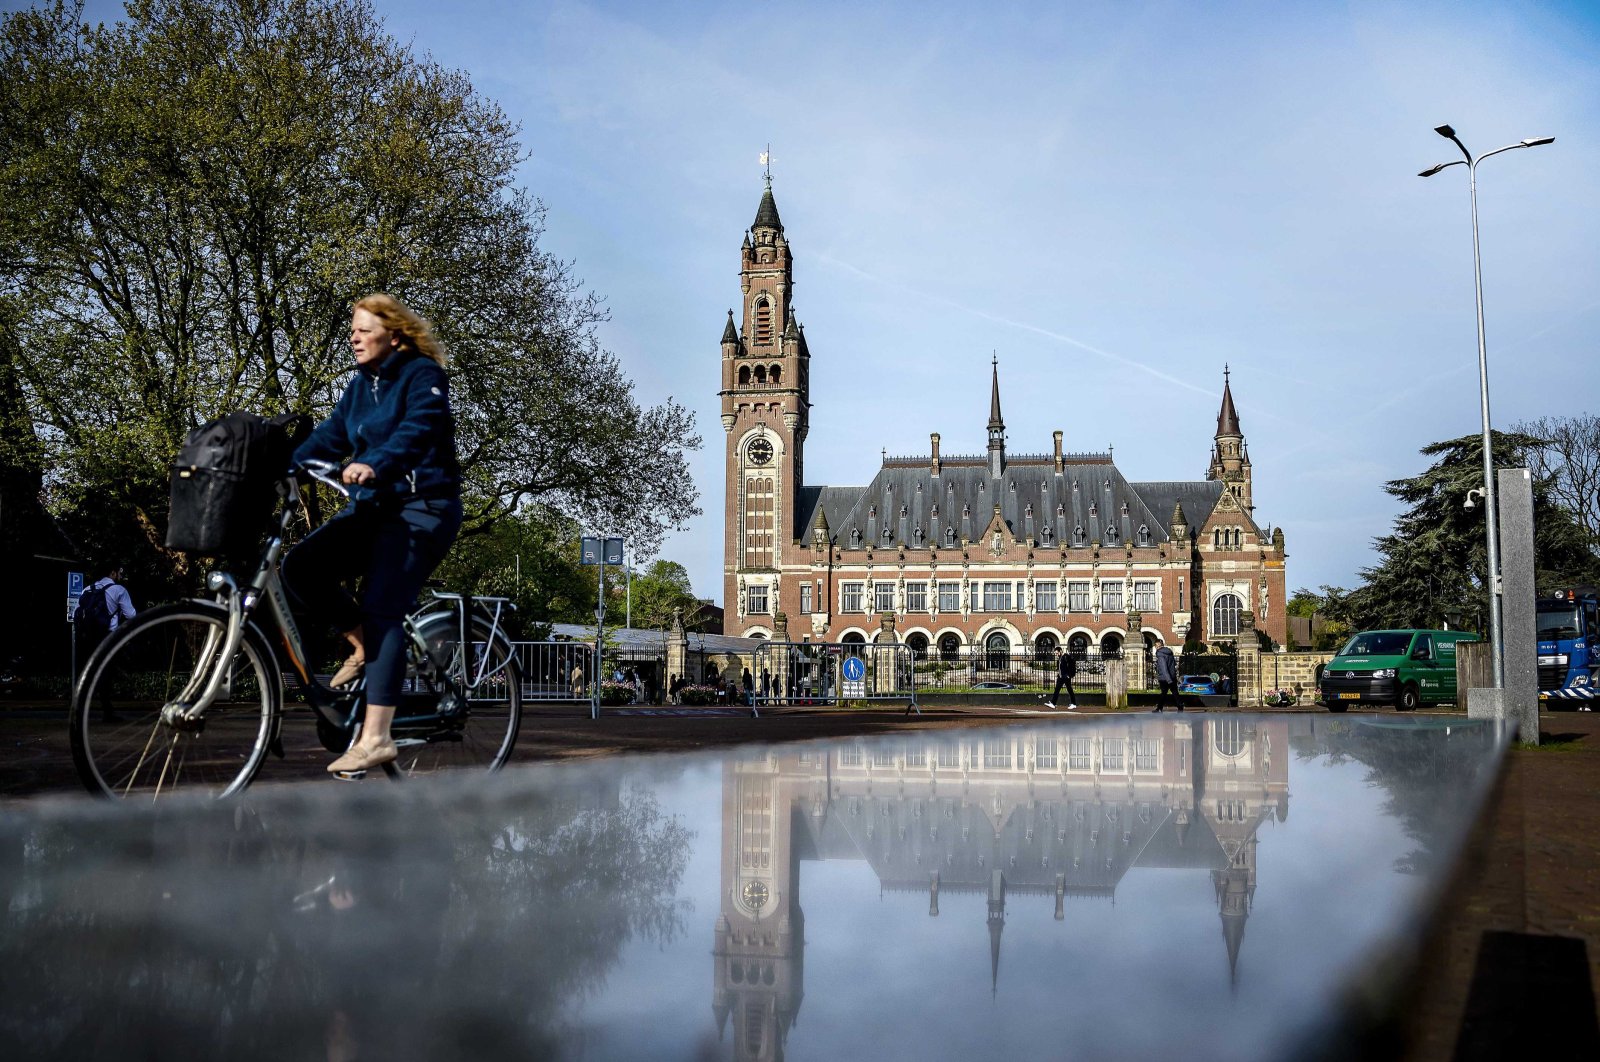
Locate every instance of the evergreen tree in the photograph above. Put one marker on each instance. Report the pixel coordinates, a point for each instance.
(1433, 567)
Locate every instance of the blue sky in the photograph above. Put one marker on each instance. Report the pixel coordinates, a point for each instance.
(1114, 198)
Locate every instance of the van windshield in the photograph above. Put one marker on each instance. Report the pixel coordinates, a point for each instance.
(1377, 643)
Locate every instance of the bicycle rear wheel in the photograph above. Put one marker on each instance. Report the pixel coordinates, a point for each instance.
(121, 745)
(477, 734)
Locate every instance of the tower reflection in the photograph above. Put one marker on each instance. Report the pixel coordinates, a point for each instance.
(1056, 814)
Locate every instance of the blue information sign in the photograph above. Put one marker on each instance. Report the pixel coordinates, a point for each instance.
(855, 669)
(74, 591)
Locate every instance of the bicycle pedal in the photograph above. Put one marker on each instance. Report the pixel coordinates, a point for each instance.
(349, 776)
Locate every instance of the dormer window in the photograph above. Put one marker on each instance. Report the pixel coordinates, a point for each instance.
(950, 535)
(1144, 535)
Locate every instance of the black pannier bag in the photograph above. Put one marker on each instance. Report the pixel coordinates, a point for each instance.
(223, 481)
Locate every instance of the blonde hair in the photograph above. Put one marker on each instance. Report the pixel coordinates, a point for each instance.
(410, 331)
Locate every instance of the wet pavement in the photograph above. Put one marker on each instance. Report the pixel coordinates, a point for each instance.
(1225, 886)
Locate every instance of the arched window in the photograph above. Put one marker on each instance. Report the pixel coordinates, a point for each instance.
(1044, 649)
(1216, 538)
(918, 644)
(1229, 736)
(997, 651)
(744, 374)
(761, 374)
(1111, 645)
(1225, 615)
(1078, 644)
(763, 321)
(1151, 641)
(949, 647)
(775, 374)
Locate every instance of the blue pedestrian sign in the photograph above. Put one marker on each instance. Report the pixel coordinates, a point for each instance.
(855, 669)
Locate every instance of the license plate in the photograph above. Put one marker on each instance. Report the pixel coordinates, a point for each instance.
(1349, 696)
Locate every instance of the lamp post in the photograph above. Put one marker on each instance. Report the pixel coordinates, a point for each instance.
(1490, 509)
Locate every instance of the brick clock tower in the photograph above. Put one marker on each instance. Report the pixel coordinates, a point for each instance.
(945, 552)
(766, 412)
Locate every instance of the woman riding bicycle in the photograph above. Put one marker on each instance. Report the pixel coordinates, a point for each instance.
(395, 425)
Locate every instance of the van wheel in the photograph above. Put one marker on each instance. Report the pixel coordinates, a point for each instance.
(1410, 698)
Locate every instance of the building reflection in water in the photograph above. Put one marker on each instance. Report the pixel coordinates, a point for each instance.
(1054, 815)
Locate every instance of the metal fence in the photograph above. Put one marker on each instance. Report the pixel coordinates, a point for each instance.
(555, 671)
(974, 666)
(833, 673)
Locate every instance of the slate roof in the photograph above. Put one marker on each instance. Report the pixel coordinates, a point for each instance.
(1088, 494)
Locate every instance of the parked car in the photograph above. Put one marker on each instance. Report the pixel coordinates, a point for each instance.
(993, 686)
(1405, 668)
(1202, 685)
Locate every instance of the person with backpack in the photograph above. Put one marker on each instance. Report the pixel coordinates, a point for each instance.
(1167, 678)
(395, 425)
(102, 608)
(1066, 669)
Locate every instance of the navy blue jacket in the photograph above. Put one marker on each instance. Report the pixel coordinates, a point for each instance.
(396, 418)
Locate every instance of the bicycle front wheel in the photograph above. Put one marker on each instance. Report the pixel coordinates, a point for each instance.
(121, 745)
(436, 735)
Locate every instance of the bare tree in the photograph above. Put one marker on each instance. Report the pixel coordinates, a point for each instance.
(1567, 456)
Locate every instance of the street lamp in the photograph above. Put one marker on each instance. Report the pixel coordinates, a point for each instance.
(1490, 510)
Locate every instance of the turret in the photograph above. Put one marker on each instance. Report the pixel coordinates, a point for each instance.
(1230, 457)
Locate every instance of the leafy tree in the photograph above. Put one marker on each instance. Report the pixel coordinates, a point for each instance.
(1433, 563)
(661, 589)
(190, 199)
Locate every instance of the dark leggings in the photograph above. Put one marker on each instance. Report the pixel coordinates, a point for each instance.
(1064, 680)
(394, 548)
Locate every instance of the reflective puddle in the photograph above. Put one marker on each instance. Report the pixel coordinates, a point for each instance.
(1205, 887)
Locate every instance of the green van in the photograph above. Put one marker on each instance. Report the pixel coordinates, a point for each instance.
(1404, 668)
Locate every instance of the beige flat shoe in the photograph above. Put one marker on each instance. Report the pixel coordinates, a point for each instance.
(364, 759)
(348, 671)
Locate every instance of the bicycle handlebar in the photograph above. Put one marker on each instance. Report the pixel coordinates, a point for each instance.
(324, 472)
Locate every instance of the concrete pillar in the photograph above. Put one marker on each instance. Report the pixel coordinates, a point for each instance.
(678, 648)
(1117, 683)
(883, 660)
(1247, 684)
(780, 659)
(1518, 702)
(1133, 653)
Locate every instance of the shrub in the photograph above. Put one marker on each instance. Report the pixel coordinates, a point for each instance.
(697, 694)
(614, 693)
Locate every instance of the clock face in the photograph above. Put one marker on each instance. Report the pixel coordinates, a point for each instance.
(759, 452)
(755, 894)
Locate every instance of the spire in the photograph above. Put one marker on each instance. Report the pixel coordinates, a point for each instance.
(997, 924)
(994, 395)
(1178, 519)
(1228, 417)
(729, 333)
(767, 213)
(997, 426)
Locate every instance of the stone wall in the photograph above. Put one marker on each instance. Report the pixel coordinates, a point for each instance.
(1259, 672)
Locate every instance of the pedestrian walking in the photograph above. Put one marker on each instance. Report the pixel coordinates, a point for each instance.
(1066, 668)
(1167, 678)
(577, 680)
(102, 608)
(766, 684)
(749, 683)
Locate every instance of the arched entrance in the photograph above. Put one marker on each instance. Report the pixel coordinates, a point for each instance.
(997, 651)
(918, 644)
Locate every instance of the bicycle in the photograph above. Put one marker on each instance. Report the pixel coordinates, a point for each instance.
(189, 697)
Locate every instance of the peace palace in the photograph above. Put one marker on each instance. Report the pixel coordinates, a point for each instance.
(943, 552)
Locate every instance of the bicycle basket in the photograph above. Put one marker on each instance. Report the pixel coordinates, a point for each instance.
(223, 478)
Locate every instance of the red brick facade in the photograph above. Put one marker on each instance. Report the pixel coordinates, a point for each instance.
(1051, 548)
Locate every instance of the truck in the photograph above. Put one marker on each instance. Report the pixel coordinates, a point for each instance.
(1569, 659)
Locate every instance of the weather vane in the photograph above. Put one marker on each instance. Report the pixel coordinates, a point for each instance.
(766, 165)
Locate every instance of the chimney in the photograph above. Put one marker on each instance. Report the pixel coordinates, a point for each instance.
(934, 437)
(1057, 436)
